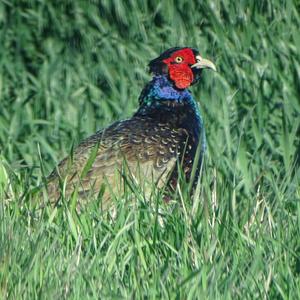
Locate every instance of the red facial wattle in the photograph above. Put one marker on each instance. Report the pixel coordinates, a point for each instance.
(181, 73)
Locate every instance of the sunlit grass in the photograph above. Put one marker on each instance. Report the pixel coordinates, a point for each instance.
(69, 69)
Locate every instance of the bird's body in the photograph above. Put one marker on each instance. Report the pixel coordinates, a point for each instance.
(166, 130)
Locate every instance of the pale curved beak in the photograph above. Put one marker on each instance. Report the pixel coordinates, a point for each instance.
(203, 63)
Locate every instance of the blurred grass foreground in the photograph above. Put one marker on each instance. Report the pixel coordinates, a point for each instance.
(68, 68)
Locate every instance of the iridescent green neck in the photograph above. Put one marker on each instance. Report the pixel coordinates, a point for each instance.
(162, 99)
(161, 89)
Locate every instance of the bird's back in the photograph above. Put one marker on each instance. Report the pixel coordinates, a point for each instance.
(141, 147)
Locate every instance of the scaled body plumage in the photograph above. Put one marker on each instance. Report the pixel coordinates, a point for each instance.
(166, 129)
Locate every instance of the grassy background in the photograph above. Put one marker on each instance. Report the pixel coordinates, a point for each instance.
(68, 68)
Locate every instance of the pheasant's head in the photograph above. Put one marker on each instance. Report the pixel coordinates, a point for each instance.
(183, 66)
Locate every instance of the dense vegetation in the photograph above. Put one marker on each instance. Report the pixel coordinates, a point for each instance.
(68, 68)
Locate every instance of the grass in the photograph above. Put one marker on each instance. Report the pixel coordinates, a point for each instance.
(69, 68)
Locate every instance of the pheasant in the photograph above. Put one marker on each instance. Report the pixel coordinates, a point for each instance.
(166, 129)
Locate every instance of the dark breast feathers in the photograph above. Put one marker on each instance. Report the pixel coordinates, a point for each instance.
(146, 150)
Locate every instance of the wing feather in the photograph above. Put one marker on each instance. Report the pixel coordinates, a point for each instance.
(148, 152)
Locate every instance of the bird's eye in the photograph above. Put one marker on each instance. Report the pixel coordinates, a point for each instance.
(178, 59)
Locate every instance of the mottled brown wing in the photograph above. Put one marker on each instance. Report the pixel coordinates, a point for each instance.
(145, 150)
